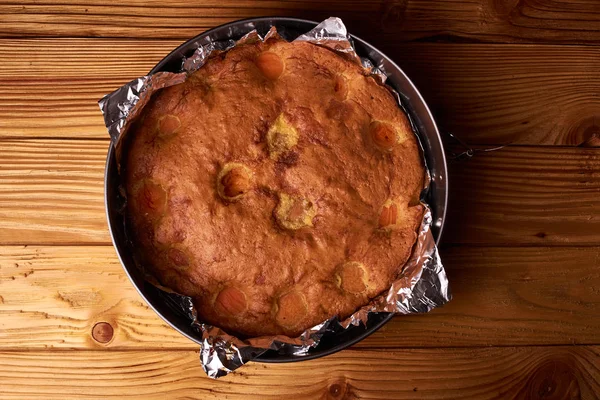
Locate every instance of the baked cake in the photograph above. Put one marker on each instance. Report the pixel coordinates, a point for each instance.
(278, 186)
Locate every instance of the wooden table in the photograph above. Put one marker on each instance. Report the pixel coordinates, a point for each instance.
(521, 243)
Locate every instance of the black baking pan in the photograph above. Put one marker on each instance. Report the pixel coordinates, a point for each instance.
(289, 28)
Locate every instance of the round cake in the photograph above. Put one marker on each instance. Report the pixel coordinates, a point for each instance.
(277, 186)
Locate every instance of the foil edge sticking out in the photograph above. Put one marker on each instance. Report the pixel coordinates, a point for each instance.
(422, 285)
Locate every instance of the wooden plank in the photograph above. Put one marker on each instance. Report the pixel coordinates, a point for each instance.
(52, 297)
(536, 95)
(526, 196)
(394, 20)
(51, 192)
(50, 88)
(495, 94)
(470, 374)
(509, 296)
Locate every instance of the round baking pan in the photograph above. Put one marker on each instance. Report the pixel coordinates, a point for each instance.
(437, 196)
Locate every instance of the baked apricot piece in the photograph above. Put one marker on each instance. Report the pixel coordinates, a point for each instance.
(291, 309)
(231, 301)
(384, 135)
(281, 137)
(234, 181)
(150, 198)
(270, 65)
(294, 212)
(168, 125)
(389, 215)
(352, 277)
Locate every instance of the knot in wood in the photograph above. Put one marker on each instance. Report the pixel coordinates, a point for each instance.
(340, 390)
(102, 332)
(506, 7)
(554, 380)
(590, 137)
(392, 14)
(335, 390)
(584, 132)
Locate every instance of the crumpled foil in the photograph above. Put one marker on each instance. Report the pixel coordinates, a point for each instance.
(421, 286)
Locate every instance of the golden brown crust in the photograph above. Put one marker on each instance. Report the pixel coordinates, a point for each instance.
(276, 186)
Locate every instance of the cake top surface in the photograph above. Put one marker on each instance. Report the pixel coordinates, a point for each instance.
(278, 186)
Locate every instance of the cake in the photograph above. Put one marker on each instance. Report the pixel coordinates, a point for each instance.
(277, 186)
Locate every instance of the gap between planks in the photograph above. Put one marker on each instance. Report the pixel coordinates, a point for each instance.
(447, 147)
(353, 348)
(51, 298)
(469, 92)
(471, 374)
(526, 21)
(51, 192)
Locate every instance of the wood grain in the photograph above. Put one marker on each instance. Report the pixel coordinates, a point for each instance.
(534, 373)
(536, 95)
(54, 297)
(51, 192)
(498, 94)
(521, 239)
(391, 20)
(526, 196)
(50, 88)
